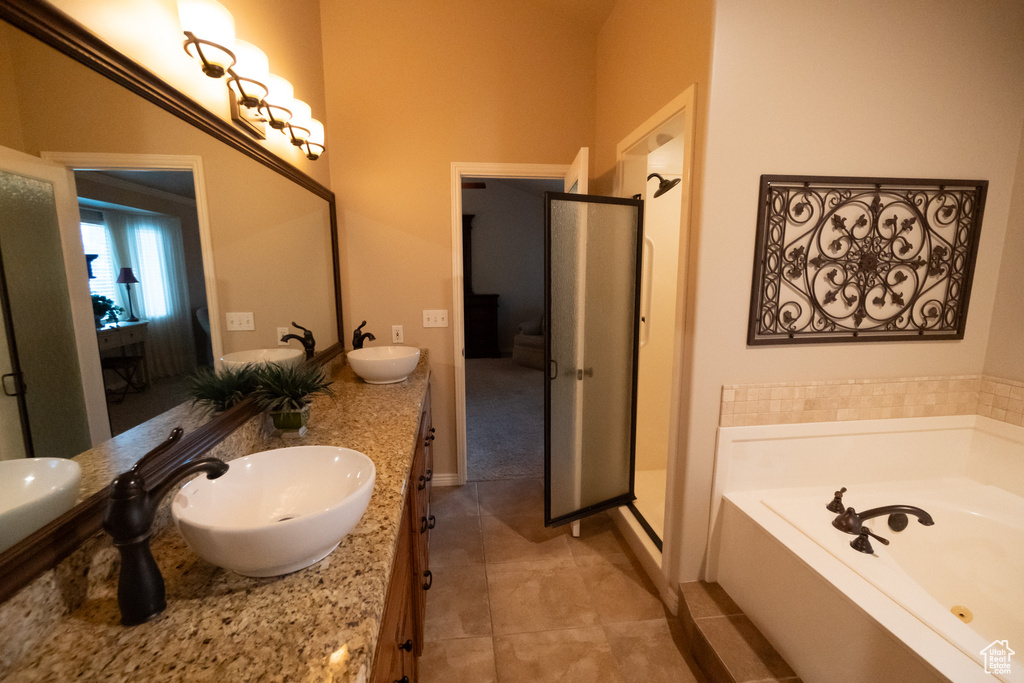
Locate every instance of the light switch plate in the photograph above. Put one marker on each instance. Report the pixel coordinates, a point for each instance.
(239, 322)
(438, 318)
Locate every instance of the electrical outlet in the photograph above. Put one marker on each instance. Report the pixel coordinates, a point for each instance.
(239, 322)
(282, 331)
(435, 318)
(397, 336)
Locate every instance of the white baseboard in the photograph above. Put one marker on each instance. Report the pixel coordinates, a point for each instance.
(451, 479)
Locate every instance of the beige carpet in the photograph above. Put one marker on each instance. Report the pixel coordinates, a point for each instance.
(504, 420)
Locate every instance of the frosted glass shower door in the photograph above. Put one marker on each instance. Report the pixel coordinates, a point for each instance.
(592, 260)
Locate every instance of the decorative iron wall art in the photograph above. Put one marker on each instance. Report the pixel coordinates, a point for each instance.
(863, 259)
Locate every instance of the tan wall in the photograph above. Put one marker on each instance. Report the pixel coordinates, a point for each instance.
(10, 116)
(938, 93)
(413, 87)
(1005, 358)
(148, 31)
(648, 53)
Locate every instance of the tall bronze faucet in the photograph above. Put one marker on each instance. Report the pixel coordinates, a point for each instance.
(129, 519)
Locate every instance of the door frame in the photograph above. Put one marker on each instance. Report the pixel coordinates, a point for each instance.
(663, 566)
(88, 161)
(459, 171)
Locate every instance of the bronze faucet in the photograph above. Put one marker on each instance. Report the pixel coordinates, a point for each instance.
(306, 339)
(359, 337)
(129, 519)
(851, 521)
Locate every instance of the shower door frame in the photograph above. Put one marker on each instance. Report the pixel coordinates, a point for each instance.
(627, 498)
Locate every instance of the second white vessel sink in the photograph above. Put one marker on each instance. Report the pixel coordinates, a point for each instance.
(34, 492)
(282, 356)
(384, 364)
(278, 511)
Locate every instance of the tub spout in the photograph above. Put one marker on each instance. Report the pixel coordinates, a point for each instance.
(851, 521)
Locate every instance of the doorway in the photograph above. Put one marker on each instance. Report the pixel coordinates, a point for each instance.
(570, 176)
(503, 295)
(140, 232)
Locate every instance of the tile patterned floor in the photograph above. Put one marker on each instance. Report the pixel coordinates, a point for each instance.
(515, 602)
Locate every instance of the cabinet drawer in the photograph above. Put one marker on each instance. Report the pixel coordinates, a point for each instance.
(109, 339)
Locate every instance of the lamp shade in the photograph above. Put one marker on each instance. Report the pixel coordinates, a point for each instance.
(302, 114)
(211, 31)
(316, 132)
(251, 71)
(275, 107)
(126, 277)
(314, 145)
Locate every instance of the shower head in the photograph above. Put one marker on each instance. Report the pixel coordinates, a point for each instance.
(664, 185)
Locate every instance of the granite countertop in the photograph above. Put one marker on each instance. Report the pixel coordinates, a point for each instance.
(317, 624)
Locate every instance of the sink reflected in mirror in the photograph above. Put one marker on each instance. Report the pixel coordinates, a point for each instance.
(277, 511)
(33, 493)
(282, 356)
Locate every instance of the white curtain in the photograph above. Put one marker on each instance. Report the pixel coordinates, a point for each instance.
(151, 245)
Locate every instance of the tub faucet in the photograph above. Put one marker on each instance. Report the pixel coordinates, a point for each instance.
(306, 339)
(129, 519)
(359, 337)
(851, 521)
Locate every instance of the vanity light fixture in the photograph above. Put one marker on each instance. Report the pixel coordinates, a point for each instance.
(298, 125)
(275, 106)
(258, 97)
(209, 35)
(314, 144)
(248, 77)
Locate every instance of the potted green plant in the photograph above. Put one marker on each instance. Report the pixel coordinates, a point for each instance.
(104, 310)
(215, 392)
(286, 391)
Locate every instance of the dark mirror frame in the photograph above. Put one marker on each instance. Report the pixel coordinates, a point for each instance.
(45, 548)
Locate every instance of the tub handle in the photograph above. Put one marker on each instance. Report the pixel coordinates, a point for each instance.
(862, 544)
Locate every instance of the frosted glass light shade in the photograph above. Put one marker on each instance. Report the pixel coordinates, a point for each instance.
(209, 22)
(276, 107)
(302, 114)
(251, 70)
(314, 145)
(316, 132)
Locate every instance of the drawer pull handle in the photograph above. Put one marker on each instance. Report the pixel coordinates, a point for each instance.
(407, 646)
(424, 525)
(423, 483)
(403, 679)
(430, 580)
(430, 475)
(432, 430)
(433, 522)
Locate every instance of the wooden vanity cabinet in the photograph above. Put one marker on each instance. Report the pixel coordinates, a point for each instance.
(423, 521)
(400, 640)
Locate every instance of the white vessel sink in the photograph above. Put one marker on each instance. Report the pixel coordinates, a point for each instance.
(277, 511)
(282, 356)
(384, 364)
(34, 492)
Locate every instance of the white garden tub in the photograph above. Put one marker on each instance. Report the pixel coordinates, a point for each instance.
(838, 614)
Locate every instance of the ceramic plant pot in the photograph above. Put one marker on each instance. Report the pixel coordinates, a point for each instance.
(290, 424)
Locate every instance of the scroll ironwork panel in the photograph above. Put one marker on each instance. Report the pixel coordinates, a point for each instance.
(863, 259)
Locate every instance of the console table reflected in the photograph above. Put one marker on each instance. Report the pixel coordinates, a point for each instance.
(130, 364)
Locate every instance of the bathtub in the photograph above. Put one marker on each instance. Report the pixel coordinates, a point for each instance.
(838, 614)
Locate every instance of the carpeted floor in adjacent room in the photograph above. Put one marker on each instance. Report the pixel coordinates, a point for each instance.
(504, 420)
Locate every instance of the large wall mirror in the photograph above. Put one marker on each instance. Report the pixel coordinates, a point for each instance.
(254, 235)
